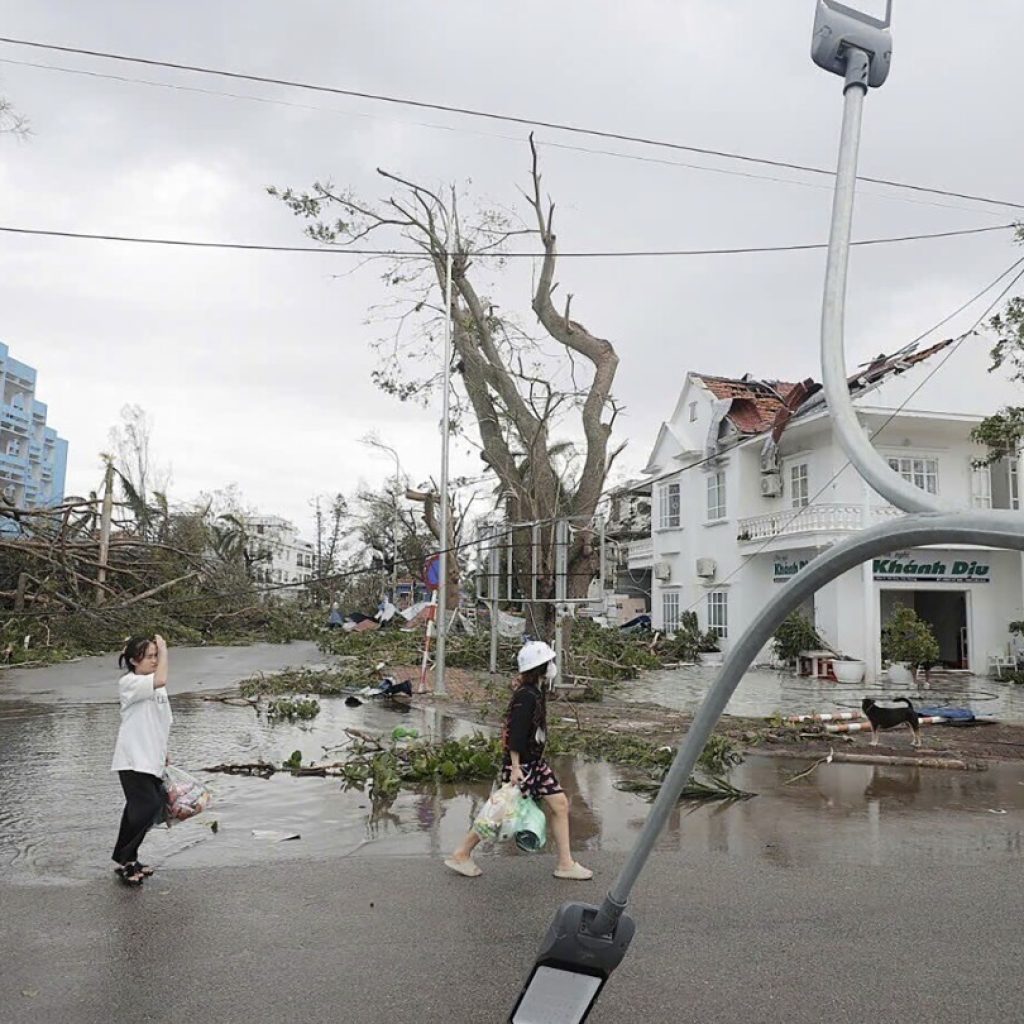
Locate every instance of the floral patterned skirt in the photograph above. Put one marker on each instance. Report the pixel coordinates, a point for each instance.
(538, 779)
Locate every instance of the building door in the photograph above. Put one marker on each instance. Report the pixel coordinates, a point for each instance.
(945, 611)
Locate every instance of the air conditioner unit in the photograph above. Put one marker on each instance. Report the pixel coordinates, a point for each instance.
(662, 571)
(770, 460)
(771, 485)
(706, 568)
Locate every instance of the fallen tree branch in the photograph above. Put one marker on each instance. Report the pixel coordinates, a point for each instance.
(828, 759)
(153, 591)
(264, 769)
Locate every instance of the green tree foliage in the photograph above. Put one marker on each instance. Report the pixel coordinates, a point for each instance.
(1002, 433)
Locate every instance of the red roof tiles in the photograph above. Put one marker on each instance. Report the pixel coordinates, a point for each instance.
(757, 405)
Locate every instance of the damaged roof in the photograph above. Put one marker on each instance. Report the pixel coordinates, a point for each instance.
(755, 403)
(757, 406)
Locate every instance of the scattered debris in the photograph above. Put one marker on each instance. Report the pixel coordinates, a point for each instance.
(274, 835)
(292, 708)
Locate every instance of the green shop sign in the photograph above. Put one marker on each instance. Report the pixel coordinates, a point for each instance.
(786, 568)
(907, 569)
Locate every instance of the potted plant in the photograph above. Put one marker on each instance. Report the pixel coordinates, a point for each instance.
(907, 643)
(848, 670)
(710, 649)
(794, 635)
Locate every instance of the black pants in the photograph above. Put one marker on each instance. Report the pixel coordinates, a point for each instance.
(144, 800)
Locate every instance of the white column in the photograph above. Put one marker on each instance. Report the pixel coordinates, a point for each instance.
(870, 604)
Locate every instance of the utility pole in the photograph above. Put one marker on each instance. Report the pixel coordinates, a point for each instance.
(105, 518)
(442, 587)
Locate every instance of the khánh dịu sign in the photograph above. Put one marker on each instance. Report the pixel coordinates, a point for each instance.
(906, 568)
(786, 568)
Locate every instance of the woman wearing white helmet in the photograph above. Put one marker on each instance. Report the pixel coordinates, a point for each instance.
(523, 738)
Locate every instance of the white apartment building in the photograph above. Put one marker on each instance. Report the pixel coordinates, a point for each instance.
(768, 488)
(281, 555)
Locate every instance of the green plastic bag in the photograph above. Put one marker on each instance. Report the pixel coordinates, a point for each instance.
(531, 826)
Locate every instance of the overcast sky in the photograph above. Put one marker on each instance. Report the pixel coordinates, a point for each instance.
(256, 368)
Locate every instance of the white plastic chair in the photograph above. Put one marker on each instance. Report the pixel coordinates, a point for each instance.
(1001, 660)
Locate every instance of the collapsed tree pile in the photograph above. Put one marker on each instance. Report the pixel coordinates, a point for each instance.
(80, 577)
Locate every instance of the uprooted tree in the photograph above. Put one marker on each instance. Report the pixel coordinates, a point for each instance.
(506, 378)
(180, 570)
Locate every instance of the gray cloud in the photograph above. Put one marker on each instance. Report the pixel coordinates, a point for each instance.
(256, 367)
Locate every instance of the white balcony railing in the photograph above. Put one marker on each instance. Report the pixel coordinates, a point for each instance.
(640, 553)
(812, 519)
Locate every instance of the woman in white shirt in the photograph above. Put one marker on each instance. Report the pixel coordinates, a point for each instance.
(141, 750)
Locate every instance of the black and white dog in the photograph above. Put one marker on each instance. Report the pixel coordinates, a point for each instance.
(888, 718)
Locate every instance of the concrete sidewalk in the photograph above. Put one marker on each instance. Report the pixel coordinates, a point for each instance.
(720, 940)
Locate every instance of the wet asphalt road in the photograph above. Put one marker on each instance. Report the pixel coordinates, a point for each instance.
(858, 894)
(719, 940)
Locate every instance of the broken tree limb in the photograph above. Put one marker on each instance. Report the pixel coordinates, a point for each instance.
(233, 700)
(156, 590)
(264, 769)
(848, 757)
(828, 759)
(366, 738)
(914, 762)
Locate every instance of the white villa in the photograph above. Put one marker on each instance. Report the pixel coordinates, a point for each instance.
(749, 483)
(282, 556)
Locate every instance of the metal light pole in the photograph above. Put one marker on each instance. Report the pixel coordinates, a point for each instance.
(442, 583)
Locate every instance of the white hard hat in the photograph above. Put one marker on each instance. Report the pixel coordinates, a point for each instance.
(534, 653)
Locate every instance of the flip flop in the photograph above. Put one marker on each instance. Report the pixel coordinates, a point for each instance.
(142, 869)
(469, 868)
(577, 872)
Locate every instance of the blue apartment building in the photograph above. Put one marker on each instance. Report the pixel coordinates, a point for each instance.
(33, 459)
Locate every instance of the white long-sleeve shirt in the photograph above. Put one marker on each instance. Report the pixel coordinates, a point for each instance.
(145, 726)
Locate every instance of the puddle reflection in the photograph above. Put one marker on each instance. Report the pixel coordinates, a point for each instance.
(59, 803)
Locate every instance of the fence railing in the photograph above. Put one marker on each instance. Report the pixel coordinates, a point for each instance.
(812, 519)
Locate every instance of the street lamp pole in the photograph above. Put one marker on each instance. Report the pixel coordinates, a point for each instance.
(442, 583)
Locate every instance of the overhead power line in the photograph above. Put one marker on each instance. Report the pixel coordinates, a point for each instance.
(461, 129)
(419, 254)
(493, 116)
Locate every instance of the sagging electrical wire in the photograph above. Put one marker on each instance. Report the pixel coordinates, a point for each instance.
(493, 116)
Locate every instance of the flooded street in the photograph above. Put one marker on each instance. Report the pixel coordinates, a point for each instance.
(764, 692)
(59, 803)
